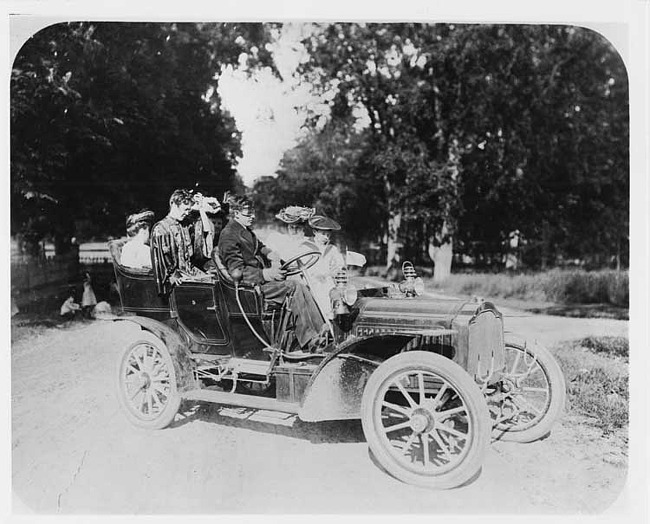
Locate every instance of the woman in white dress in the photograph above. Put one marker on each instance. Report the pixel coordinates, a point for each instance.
(321, 275)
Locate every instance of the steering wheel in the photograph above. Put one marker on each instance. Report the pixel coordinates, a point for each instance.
(294, 265)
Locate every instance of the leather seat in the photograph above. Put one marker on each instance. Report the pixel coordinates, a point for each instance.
(269, 307)
(115, 249)
(136, 286)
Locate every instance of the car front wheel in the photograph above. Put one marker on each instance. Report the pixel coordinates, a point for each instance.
(425, 420)
(146, 383)
(530, 397)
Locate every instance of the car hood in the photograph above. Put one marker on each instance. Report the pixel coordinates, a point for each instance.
(418, 312)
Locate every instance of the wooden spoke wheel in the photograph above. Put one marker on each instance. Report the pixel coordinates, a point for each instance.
(531, 396)
(147, 383)
(425, 419)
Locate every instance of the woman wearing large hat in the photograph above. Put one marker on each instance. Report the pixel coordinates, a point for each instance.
(289, 243)
(321, 275)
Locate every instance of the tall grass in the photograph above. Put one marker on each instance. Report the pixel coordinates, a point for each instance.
(596, 373)
(561, 286)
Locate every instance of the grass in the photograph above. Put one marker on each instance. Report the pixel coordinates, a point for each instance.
(559, 286)
(572, 293)
(597, 375)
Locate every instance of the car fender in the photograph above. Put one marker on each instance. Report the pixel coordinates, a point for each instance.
(183, 365)
(336, 387)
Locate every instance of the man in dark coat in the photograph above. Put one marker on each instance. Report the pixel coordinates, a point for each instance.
(239, 248)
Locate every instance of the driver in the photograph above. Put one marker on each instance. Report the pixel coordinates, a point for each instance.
(239, 248)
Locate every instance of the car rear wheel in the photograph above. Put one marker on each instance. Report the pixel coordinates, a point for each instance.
(425, 420)
(147, 383)
(531, 396)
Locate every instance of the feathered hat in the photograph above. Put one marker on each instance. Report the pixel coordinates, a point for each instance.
(295, 214)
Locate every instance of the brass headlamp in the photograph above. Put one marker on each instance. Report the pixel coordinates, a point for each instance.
(412, 285)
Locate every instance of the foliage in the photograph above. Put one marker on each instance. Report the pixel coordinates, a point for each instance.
(475, 131)
(322, 172)
(107, 118)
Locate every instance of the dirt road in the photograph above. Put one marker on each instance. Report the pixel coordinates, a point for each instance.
(74, 452)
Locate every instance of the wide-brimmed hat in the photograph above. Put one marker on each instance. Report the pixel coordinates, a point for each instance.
(295, 214)
(143, 216)
(324, 223)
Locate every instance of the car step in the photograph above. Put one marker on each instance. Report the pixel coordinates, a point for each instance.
(237, 399)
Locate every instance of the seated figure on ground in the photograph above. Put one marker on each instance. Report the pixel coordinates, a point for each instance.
(136, 253)
(240, 249)
(171, 245)
(69, 308)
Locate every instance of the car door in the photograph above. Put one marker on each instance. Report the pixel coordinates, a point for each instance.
(200, 313)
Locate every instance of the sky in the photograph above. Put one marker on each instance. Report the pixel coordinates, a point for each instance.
(264, 106)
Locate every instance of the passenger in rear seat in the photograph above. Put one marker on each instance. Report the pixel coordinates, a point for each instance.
(136, 252)
(171, 245)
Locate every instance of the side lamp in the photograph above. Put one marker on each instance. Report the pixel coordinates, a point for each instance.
(343, 294)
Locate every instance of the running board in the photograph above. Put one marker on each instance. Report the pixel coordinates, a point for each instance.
(237, 399)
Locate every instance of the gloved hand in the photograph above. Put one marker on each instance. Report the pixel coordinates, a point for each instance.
(272, 273)
(175, 278)
(273, 256)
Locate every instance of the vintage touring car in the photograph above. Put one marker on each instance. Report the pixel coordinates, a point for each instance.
(432, 380)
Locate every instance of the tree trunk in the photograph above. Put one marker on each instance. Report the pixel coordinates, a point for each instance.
(393, 242)
(441, 253)
(393, 231)
(441, 247)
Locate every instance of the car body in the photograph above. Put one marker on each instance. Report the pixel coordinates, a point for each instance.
(431, 379)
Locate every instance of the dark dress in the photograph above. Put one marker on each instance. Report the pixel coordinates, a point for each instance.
(239, 248)
(171, 253)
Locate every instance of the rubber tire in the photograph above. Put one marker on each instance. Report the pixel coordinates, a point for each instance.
(468, 390)
(555, 407)
(166, 416)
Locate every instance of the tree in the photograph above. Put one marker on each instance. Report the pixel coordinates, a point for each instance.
(480, 130)
(107, 118)
(322, 171)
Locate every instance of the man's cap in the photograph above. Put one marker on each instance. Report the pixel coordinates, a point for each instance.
(239, 203)
(143, 216)
(324, 223)
(295, 214)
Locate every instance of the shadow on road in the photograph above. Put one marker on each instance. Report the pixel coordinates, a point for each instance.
(336, 431)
